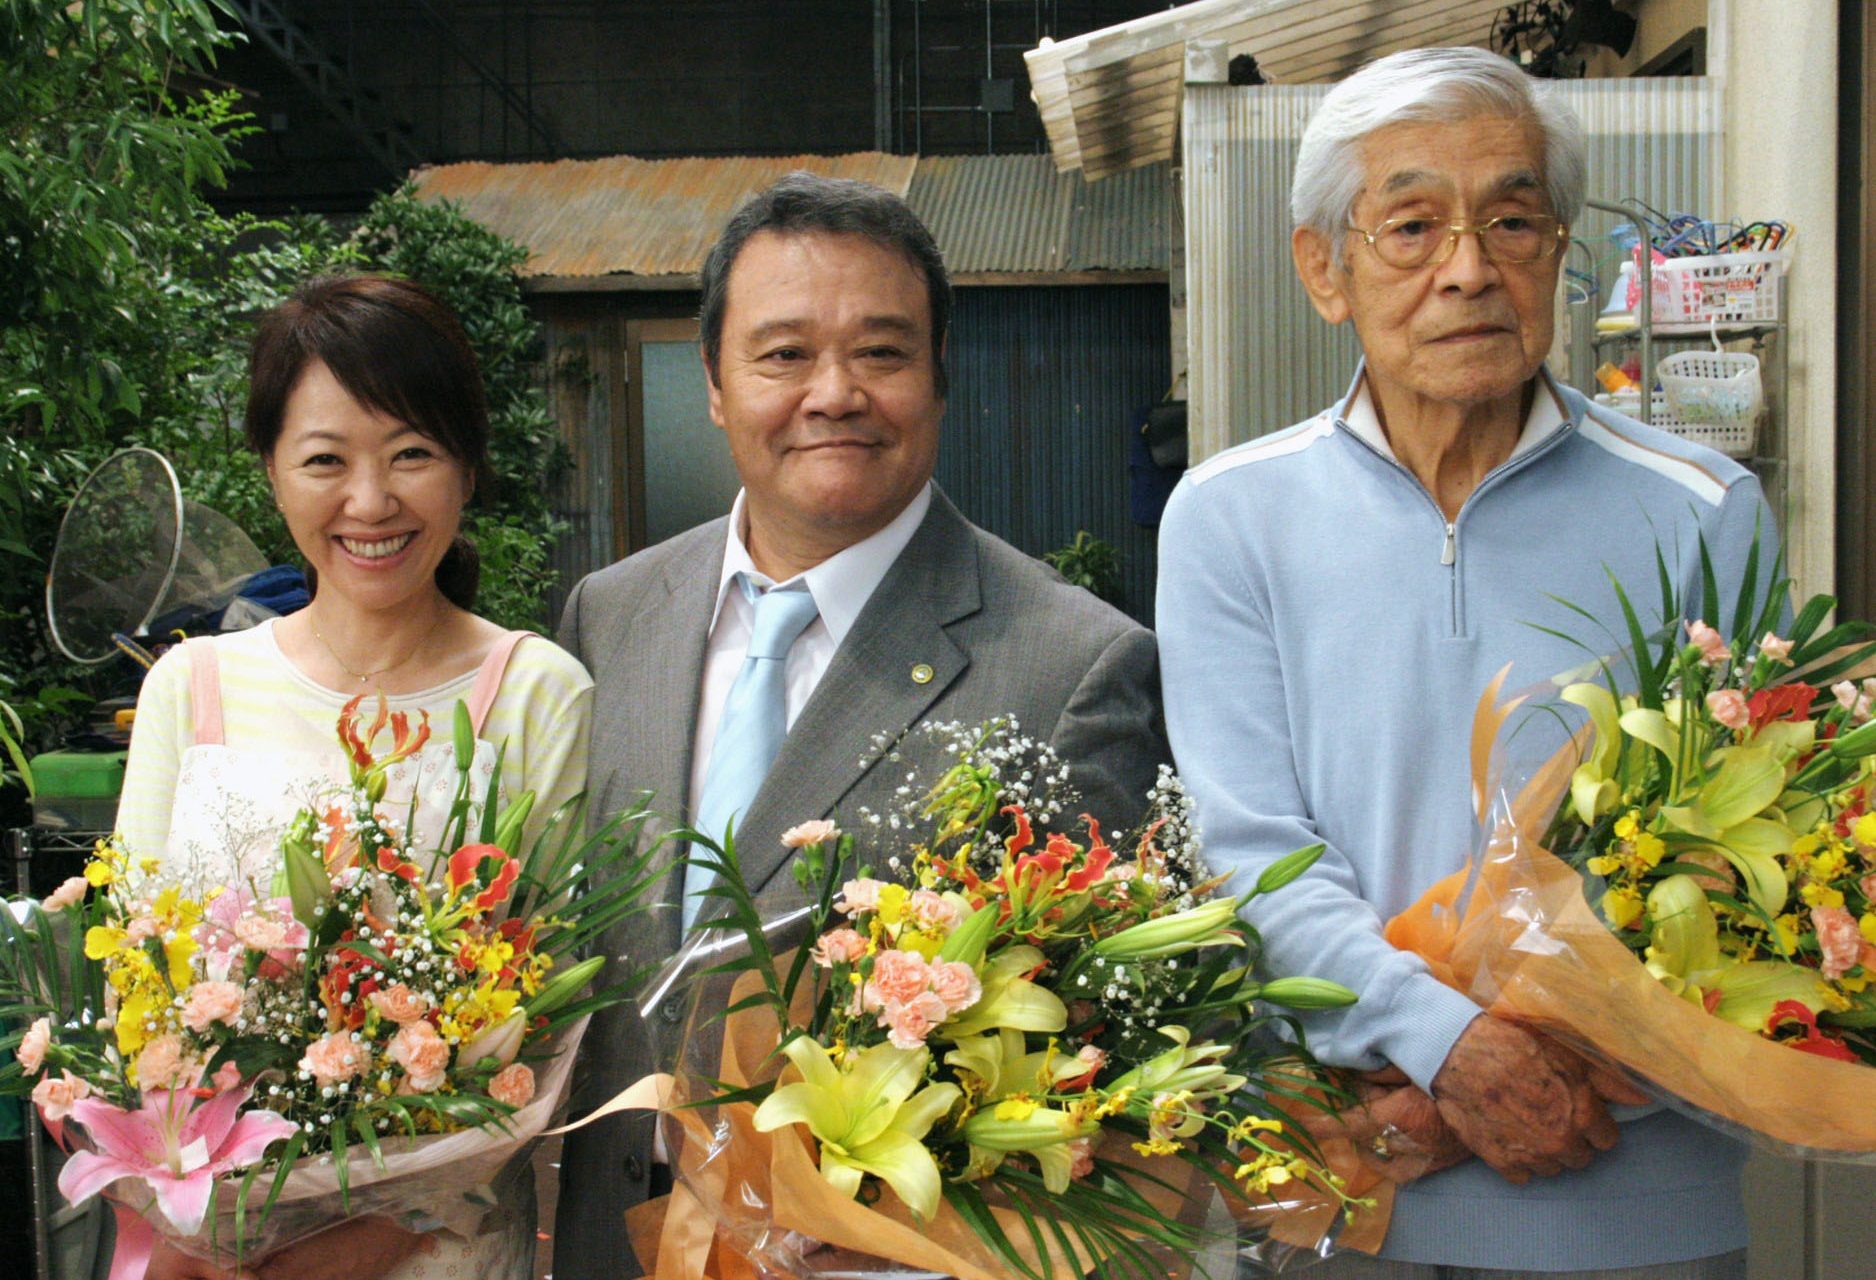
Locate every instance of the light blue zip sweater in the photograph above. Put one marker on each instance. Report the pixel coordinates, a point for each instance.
(1324, 635)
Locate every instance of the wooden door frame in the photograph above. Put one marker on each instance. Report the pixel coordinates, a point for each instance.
(636, 334)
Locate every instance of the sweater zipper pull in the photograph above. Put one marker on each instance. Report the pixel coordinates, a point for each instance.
(1450, 553)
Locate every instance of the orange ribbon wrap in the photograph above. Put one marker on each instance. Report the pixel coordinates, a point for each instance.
(1527, 946)
(755, 1186)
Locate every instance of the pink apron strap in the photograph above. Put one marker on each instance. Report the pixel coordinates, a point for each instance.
(489, 678)
(205, 691)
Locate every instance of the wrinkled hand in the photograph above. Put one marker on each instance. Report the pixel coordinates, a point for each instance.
(356, 1249)
(170, 1263)
(1523, 1103)
(1396, 1129)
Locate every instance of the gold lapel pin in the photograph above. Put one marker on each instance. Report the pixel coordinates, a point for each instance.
(922, 673)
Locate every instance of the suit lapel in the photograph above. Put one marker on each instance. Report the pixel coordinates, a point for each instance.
(656, 715)
(869, 694)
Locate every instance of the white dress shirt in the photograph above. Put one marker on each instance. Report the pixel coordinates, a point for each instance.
(841, 585)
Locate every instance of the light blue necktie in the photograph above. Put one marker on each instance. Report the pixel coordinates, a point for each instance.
(754, 721)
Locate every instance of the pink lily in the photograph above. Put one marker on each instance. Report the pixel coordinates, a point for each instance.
(177, 1147)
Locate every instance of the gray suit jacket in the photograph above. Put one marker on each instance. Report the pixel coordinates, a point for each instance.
(1003, 634)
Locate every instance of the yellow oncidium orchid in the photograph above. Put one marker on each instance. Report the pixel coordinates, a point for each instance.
(869, 1116)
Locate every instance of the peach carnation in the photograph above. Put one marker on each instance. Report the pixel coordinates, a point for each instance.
(55, 1095)
(1729, 708)
(69, 894)
(839, 946)
(260, 933)
(1713, 647)
(209, 1003)
(898, 976)
(334, 1058)
(1777, 650)
(163, 1065)
(400, 1004)
(932, 912)
(423, 1054)
(1838, 939)
(513, 1085)
(908, 1022)
(820, 831)
(32, 1050)
(1081, 1151)
(957, 984)
(859, 895)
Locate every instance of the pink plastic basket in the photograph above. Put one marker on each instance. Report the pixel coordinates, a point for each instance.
(1726, 288)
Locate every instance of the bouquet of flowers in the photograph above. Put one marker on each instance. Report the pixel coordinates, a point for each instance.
(286, 1054)
(1009, 1048)
(1689, 888)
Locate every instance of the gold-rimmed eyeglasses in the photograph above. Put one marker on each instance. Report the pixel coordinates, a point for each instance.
(1509, 238)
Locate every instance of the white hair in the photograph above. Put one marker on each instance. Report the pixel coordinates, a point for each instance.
(1422, 86)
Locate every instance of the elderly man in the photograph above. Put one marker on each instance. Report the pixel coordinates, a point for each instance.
(744, 671)
(1334, 597)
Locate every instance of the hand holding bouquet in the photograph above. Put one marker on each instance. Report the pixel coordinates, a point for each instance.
(1025, 1047)
(1686, 889)
(376, 1012)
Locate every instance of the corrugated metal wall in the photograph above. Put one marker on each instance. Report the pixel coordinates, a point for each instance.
(1260, 358)
(1045, 383)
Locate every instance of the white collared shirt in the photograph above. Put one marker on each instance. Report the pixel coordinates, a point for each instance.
(841, 585)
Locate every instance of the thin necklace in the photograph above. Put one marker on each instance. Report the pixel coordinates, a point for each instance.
(364, 676)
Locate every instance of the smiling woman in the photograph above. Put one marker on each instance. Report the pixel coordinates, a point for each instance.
(366, 410)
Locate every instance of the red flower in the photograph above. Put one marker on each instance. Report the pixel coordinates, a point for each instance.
(1100, 857)
(465, 869)
(357, 745)
(1022, 837)
(1815, 1040)
(1780, 702)
(390, 863)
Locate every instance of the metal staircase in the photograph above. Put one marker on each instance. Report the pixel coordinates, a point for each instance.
(363, 112)
(360, 112)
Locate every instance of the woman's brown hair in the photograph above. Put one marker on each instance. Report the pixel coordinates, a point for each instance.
(396, 349)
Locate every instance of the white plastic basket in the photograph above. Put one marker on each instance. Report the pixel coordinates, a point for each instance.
(1717, 388)
(1734, 439)
(1726, 288)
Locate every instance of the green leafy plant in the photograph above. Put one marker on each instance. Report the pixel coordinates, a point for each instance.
(1090, 563)
(126, 303)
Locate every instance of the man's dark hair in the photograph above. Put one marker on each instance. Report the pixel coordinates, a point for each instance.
(803, 203)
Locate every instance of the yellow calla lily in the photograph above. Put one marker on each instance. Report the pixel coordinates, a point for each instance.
(869, 1116)
(1787, 738)
(1191, 1067)
(1005, 1070)
(1010, 1000)
(1754, 847)
(1685, 950)
(1043, 1133)
(1748, 991)
(1654, 728)
(1593, 792)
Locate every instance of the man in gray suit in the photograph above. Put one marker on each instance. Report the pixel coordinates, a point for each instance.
(825, 304)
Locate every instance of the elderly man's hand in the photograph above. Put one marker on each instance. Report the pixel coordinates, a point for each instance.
(1524, 1104)
(1396, 1128)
